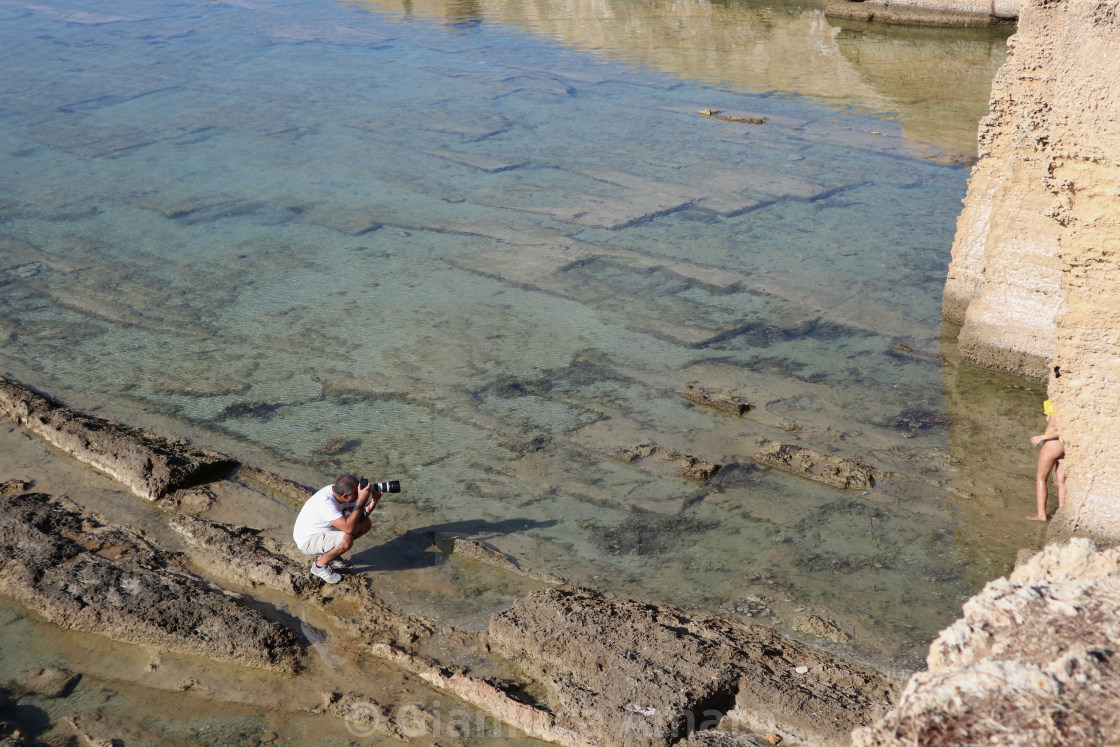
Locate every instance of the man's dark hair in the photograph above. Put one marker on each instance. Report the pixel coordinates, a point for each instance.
(1057, 372)
(347, 486)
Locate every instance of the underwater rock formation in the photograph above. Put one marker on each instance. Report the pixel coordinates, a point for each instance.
(838, 471)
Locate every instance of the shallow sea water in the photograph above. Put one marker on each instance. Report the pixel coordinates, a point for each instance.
(478, 247)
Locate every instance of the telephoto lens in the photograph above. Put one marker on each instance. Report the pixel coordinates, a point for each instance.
(389, 486)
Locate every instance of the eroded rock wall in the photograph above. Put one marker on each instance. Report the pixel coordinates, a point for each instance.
(1035, 279)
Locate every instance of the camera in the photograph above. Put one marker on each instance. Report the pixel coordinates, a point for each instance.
(389, 486)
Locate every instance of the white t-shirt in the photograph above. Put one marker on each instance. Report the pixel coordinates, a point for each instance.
(317, 514)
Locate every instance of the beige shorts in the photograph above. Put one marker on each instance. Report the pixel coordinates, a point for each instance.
(317, 544)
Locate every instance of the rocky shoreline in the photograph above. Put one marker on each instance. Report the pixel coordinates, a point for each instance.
(564, 665)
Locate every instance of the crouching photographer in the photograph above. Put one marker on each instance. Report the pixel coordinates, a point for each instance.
(334, 517)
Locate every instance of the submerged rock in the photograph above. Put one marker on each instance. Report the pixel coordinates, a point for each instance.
(820, 627)
(688, 467)
(1033, 662)
(50, 682)
(620, 672)
(149, 465)
(76, 572)
(449, 544)
(727, 405)
(838, 471)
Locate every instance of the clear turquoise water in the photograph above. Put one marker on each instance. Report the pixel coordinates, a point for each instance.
(485, 258)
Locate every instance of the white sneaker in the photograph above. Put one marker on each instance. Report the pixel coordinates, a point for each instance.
(325, 573)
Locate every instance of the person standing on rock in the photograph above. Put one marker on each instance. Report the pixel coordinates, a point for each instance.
(323, 527)
(1049, 456)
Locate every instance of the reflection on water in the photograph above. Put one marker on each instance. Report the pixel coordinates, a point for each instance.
(428, 245)
(936, 81)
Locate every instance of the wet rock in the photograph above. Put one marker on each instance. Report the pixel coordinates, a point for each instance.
(820, 627)
(259, 409)
(76, 572)
(336, 445)
(620, 672)
(840, 472)
(11, 487)
(365, 713)
(647, 533)
(50, 682)
(688, 467)
(1032, 662)
(296, 493)
(150, 466)
(449, 544)
(728, 404)
(490, 696)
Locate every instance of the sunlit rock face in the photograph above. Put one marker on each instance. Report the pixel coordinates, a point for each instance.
(1034, 278)
(1032, 662)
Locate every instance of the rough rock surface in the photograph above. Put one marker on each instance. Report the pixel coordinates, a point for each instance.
(625, 673)
(76, 572)
(1035, 275)
(150, 466)
(727, 404)
(820, 627)
(244, 555)
(1034, 661)
(838, 471)
(927, 12)
(688, 467)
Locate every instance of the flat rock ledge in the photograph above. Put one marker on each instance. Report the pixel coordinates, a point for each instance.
(620, 672)
(842, 472)
(148, 465)
(1033, 662)
(77, 572)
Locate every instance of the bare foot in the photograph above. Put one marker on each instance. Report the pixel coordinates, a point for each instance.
(1035, 518)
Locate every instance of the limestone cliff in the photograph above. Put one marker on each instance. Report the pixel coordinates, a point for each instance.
(1035, 279)
(1032, 662)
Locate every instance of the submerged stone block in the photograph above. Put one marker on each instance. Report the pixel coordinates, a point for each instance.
(838, 471)
(727, 405)
(688, 467)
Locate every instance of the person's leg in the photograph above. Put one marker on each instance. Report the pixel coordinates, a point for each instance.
(1048, 456)
(1060, 478)
(345, 543)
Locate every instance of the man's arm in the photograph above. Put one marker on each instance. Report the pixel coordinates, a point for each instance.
(367, 500)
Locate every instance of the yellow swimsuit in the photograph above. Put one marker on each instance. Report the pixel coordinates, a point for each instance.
(1048, 407)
